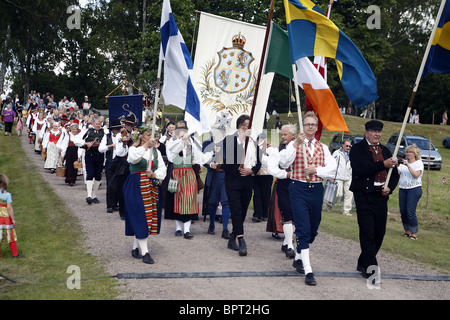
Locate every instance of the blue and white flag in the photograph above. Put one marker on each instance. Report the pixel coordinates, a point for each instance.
(178, 89)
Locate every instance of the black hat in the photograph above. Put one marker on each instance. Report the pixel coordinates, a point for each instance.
(130, 120)
(115, 124)
(374, 125)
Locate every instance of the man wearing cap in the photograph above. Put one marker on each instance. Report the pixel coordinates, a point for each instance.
(93, 158)
(370, 163)
(116, 152)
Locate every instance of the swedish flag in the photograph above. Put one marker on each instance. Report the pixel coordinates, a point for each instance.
(439, 56)
(313, 34)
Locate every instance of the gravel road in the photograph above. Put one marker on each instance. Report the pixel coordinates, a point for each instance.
(333, 260)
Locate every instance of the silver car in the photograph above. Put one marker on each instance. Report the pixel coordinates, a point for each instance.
(422, 143)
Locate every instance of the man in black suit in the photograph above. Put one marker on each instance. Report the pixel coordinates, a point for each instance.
(239, 176)
(370, 163)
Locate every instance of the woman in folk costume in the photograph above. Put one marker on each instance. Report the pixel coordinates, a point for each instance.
(71, 153)
(183, 152)
(141, 193)
(38, 125)
(49, 146)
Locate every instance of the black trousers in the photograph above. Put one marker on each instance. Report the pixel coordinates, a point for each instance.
(94, 166)
(262, 187)
(239, 193)
(111, 198)
(371, 210)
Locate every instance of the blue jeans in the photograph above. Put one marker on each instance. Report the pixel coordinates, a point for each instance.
(408, 199)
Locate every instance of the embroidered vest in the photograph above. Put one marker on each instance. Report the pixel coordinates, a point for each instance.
(317, 160)
(380, 176)
(54, 137)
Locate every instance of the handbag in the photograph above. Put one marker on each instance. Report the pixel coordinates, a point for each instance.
(331, 189)
(172, 186)
(330, 193)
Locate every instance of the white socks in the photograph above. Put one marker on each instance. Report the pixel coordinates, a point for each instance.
(304, 255)
(142, 243)
(186, 226)
(288, 231)
(89, 186)
(95, 188)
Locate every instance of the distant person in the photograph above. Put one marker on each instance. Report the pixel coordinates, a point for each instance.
(410, 190)
(7, 220)
(8, 119)
(344, 175)
(444, 118)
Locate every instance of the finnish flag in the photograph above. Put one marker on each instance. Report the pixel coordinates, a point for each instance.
(178, 89)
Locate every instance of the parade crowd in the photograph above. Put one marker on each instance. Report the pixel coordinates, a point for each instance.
(155, 175)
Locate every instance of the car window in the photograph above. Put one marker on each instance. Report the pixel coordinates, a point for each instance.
(393, 140)
(422, 144)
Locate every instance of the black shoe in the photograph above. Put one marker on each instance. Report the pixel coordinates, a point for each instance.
(298, 265)
(178, 233)
(211, 230)
(109, 210)
(309, 279)
(188, 235)
(232, 242)
(147, 259)
(256, 219)
(363, 271)
(242, 246)
(89, 200)
(71, 184)
(290, 253)
(135, 253)
(95, 200)
(225, 234)
(284, 248)
(116, 208)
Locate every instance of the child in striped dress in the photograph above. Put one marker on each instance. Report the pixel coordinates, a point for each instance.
(7, 221)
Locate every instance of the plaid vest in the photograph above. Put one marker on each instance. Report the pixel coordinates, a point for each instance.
(317, 160)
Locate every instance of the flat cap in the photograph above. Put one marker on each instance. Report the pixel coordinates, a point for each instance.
(374, 125)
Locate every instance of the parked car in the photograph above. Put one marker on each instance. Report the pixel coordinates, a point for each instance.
(335, 143)
(422, 143)
(446, 142)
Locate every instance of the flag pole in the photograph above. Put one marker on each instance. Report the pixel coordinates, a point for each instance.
(299, 112)
(261, 65)
(416, 85)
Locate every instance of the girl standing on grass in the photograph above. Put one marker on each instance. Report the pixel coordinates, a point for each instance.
(7, 221)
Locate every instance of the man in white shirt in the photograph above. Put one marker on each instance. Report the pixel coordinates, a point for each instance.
(344, 175)
(306, 188)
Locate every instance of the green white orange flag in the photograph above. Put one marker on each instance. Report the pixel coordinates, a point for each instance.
(309, 79)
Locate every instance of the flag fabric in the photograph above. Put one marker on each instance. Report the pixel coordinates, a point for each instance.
(178, 89)
(309, 79)
(438, 59)
(120, 107)
(313, 34)
(226, 67)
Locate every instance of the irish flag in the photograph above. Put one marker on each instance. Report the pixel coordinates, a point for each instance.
(309, 79)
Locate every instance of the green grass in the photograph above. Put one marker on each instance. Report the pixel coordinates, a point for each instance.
(49, 236)
(432, 249)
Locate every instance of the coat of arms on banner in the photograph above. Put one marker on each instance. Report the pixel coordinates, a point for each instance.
(232, 73)
(228, 86)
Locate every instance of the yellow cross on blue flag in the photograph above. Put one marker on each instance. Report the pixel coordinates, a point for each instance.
(313, 34)
(439, 56)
